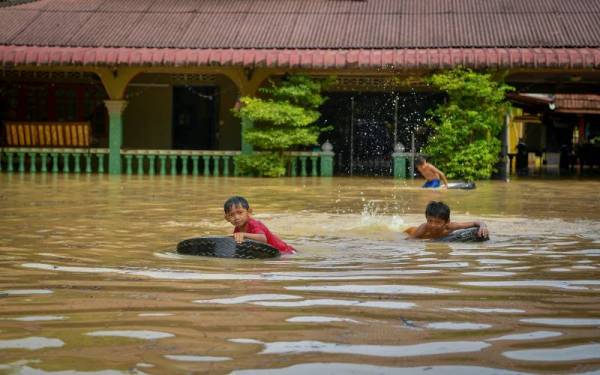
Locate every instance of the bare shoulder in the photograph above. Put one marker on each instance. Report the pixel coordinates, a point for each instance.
(410, 230)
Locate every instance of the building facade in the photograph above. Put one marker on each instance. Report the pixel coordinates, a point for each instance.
(148, 87)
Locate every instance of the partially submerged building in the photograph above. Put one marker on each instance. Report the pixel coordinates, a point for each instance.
(144, 86)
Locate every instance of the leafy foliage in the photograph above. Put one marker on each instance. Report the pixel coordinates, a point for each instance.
(261, 164)
(284, 118)
(466, 127)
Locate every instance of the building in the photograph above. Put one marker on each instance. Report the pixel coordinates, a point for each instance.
(139, 82)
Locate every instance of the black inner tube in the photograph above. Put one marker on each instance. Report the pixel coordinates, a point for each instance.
(226, 247)
(463, 235)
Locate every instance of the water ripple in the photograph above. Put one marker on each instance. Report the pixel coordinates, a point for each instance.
(572, 353)
(416, 350)
(377, 289)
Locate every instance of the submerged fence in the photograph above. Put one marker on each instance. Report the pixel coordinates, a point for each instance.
(149, 162)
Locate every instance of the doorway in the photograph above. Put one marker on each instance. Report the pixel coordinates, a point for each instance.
(195, 115)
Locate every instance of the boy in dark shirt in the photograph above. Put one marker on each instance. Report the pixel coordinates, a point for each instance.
(439, 225)
(238, 213)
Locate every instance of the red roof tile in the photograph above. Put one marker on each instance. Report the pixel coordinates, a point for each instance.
(248, 24)
(302, 58)
(577, 103)
(308, 33)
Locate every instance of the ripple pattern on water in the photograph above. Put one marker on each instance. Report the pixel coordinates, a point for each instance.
(25, 292)
(485, 310)
(196, 358)
(572, 353)
(458, 326)
(377, 289)
(433, 348)
(560, 284)
(318, 319)
(249, 298)
(38, 318)
(141, 334)
(99, 251)
(563, 322)
(537, 335)
(338, 302)
(31, 343)
(361, 369)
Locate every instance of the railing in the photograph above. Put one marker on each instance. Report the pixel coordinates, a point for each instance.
(149, 162)
(54, 160)
(313, 163)
(211, 163)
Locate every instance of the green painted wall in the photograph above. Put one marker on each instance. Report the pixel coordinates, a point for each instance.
(147, 118)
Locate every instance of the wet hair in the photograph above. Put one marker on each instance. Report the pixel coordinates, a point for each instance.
(419, 160)
(235, 201)
(438, 210)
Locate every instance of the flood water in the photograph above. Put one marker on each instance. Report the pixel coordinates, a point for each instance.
(90, 281)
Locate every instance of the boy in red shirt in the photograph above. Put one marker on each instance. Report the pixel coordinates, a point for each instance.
(238, 213)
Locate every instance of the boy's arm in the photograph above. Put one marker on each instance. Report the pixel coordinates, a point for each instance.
(239, 237)
(419, 232)
(482, 232)
(442, 176)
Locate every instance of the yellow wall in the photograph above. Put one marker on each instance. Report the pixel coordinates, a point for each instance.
(515, 130)
(147, 118)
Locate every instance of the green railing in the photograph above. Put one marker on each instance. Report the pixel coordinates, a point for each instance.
(53, 160)
(149, 162)
(317, 163)
(173, 162)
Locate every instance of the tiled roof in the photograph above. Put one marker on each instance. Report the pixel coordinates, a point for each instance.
(304, 24)
(366, 58)
(577, 103)
(304, 33)
(561, 103)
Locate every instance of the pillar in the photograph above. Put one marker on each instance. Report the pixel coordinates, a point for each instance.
(115, 136)
(327, 164)
(327, 159)
(400, 161)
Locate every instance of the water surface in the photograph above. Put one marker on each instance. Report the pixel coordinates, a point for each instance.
(91, 283)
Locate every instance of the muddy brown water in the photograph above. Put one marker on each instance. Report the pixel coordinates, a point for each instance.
(90, 282)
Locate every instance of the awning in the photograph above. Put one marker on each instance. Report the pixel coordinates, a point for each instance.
(558, 103)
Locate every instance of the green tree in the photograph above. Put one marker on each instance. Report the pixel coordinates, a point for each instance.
(284, 117)
(466, 127)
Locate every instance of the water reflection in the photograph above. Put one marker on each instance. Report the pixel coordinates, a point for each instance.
(433, 348)
(89, 266)
(31, 343)
(572, 353)
(143, 335)
(356, 368)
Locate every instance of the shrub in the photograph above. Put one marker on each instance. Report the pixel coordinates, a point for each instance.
(284, 118)
(466, 127)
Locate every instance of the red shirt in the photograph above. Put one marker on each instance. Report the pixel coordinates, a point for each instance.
(257, 227)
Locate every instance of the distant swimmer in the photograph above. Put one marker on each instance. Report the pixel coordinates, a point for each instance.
(438, 224)
(430, 173)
